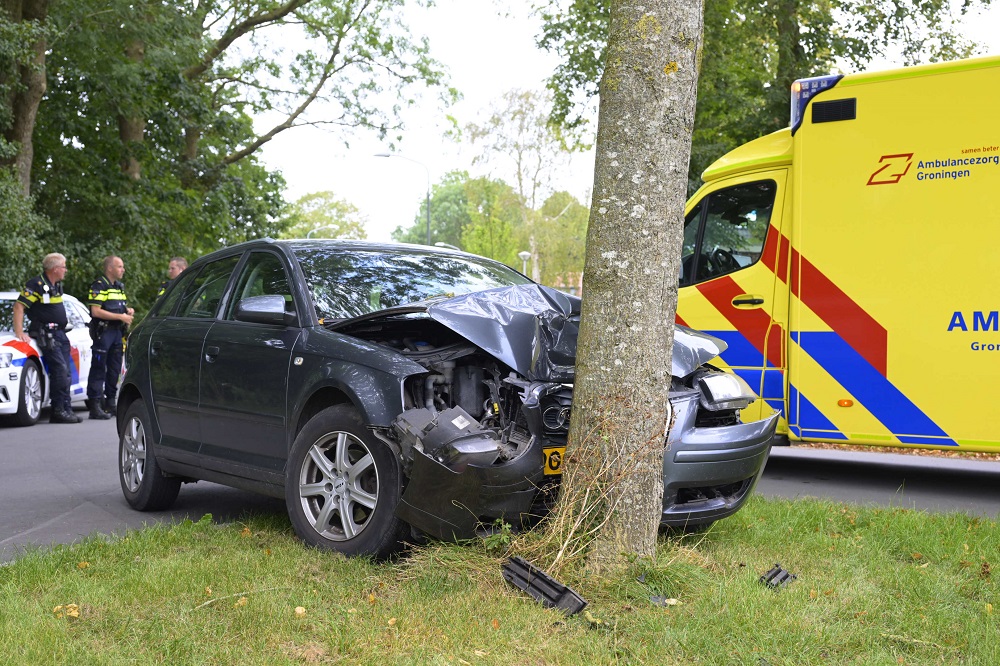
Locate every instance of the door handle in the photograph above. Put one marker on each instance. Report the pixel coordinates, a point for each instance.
(156, 347)
(747, 301)
(211, 352)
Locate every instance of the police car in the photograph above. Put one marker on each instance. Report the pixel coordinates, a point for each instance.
(24, 380)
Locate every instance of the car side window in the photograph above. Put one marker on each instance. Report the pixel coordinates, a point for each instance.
(165, 306)
(263, 275)
(202, 297)
(725, 232)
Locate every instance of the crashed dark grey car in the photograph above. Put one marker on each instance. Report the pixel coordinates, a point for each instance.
(388, 392)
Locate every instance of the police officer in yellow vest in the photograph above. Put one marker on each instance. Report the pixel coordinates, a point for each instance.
(111, 316)
(42, 298)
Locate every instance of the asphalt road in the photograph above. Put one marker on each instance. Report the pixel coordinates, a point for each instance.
(59, 483)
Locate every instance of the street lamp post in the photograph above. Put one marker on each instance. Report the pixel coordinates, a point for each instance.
(428, 198)
(524, 255)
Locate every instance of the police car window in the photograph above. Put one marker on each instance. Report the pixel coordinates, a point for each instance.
(262, 275)
(202, 297)
(73, 315)
(733, 232)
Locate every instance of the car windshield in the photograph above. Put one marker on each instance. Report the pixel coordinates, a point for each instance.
(346, 283)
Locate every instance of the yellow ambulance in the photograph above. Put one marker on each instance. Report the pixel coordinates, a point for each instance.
(852, 260)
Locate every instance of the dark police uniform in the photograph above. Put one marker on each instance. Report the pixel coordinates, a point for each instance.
(106, 365)
(43, 302)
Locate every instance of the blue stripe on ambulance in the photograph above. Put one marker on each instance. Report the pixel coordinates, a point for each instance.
(885, 402)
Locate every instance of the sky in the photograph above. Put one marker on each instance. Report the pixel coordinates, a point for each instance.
(486, 54)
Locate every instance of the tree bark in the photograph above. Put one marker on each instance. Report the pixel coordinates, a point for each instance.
(132, 128)
(620, 404)
(27, 96)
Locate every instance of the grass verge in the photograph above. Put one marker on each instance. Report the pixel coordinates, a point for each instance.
(874, 586)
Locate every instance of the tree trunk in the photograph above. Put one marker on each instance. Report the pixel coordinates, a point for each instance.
(132, 128)
(28, 94)
(620, 406)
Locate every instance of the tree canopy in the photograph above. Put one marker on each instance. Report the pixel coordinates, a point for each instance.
(753, 52)
(146, 141)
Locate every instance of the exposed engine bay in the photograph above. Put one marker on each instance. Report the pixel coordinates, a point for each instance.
(469, 408)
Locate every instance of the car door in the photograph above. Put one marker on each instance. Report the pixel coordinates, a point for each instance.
(80, 346)
(244, 381)
(175, 353)
(729, 287)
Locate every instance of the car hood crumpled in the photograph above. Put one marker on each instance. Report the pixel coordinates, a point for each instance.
(534, 329)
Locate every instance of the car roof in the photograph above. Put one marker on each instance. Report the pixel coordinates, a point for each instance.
(293, 245)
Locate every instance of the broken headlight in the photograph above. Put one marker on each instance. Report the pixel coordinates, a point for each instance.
(724, 391)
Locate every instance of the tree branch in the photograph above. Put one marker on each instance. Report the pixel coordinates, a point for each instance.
(238, 30)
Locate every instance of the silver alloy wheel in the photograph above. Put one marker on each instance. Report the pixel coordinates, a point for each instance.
(32, 391)
(133, 462)
(338, 486)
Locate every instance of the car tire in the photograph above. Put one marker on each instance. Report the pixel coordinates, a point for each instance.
(144, 485)
(29, 395)
(342, 487)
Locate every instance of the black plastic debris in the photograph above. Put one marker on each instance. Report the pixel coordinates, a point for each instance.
(777, 577)
(543, 588)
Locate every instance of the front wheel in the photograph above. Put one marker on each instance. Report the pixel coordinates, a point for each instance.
(29, 395)
(144, 485)
(342, 486)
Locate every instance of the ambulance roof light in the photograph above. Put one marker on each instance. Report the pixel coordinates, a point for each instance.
(804, 90)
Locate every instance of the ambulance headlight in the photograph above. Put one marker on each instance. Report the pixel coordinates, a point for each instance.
(6, 359)
(724, 391)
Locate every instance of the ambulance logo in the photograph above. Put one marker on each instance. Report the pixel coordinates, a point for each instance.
(893, 168)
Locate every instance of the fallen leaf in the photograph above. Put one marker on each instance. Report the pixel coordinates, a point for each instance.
(984, 570)
(916, 556)
(371, 598)
(208, 591)
(593, 619)
(392, 621)
(242, 601)
(480, 653)
(496, 623)
(813, 594)
(82, 565)
(66, 610)
(267, 552)
(246, 532)
(989, 609)
(300, 611)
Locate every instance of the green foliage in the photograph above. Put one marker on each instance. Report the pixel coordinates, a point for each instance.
(325, 215)
(495, 228)
(449, 213)
(560, 232)
(486, 216)
(25, 235)
(752, 53)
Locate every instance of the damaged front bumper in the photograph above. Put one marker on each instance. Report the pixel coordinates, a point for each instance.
(709, 472)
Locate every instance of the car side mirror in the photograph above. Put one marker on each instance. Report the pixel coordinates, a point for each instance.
(269, 309)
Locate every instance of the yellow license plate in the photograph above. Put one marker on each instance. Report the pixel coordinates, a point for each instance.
(553, 459)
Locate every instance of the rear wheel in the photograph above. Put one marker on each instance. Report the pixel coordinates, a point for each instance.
(342, 486)
(29, 395)
(143, 484)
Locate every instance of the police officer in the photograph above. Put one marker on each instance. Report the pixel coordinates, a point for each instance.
(176, 266)
(111, 316)
(43, 297)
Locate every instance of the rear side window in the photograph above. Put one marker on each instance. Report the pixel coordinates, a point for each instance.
(203, 295)
(725, 231)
